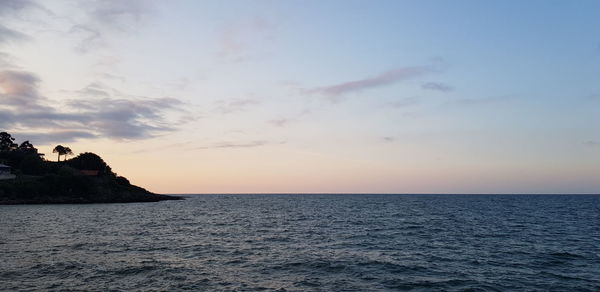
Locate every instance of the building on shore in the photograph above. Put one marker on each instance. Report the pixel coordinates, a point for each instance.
(5, 172)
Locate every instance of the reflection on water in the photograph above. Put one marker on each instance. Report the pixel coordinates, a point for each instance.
(306, 243)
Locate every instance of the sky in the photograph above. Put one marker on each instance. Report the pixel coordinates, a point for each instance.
(312, 96)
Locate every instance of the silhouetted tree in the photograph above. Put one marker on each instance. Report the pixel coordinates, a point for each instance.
(14, 154)
(28, 148)
(90, 161)
(68, 152)
(62, 150)
(7, 142)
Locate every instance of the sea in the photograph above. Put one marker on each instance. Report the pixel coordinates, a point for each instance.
(306, 242)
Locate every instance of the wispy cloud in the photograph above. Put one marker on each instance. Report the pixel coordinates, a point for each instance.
(87, 24)
(113, 77)
(437, 86)
(6, 61)
(235, 105)
(100, 18)
(237, 144)
(406, 102)
(94, 89)
(591, 143)
(335, 91)
(13, 6)
(285, 121)
(11, 12)
(475, 101)
(10, 35)
(279, 122)
(226, 145)
(90, 38)
(163, 147)
(45, 137)
(120, 14)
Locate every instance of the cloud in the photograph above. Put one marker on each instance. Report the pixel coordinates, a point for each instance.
(162, 148)
(591, 143)
(235, 105)
(8, 35)
(6, 61)
(88, 23)
(283, 122)
(121, 118)
(104, 17)
(475, 101)
(119, 14)
(95, 89)
(406, 102)
(279, 122)
(49, 117)
(63, 136)
(237, 145)
(7, 119)
(18, 83)
(13, 6)
(9, 12)
(91, 38)
(19, 89)
(388, 139)
(94, 111)
(383, 79)
(226, 145)
(180, 83)
(108, 76)
(437, 86)
(97, 111)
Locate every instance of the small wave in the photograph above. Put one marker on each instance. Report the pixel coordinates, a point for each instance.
(566, 255)
(438, 285)
(134, 270)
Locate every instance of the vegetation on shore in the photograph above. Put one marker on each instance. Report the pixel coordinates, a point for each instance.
(85, 178)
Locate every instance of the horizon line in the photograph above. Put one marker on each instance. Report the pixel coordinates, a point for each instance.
(425, 194)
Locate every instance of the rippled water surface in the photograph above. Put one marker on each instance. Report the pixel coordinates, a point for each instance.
(306, 243)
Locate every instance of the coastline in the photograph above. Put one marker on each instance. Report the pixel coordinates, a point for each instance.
(80, 200)
(56, 189)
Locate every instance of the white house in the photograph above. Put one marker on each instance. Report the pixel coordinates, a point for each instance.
(5, 172)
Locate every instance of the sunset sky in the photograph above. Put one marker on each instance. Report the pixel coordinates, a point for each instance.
(312, 96)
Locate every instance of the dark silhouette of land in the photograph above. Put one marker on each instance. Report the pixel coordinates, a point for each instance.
(27, 178)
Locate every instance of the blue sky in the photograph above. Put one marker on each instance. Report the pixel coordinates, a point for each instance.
(312, 96)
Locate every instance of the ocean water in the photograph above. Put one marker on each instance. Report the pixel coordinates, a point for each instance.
(306, 243)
